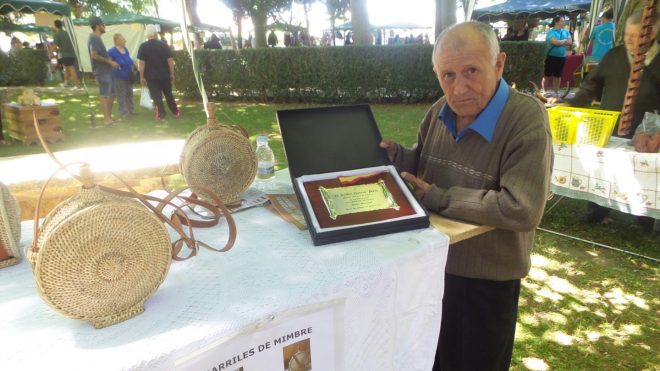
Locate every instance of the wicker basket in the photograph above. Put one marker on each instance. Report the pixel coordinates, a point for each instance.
(10, 228)
(99, 256)
(220, 158)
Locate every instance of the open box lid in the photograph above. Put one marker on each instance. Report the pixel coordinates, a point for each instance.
(329, 139)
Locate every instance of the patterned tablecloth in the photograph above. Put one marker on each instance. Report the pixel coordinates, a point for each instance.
(614, 176)
(391, 286)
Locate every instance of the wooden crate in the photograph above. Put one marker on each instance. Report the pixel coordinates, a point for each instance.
(19, 122)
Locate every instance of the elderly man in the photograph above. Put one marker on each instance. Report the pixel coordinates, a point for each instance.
(484, 155)
(156, 66)
(102, 66)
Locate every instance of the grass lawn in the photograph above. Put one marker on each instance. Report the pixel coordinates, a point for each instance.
(581, 307)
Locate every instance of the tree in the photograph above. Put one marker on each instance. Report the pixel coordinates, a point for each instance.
(360, 20)
(336, 10)
(445, 15)
(82, 8)
(259, 11)
(191, 6)
(307, 5)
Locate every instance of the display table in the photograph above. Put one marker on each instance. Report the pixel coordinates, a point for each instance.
(390, 289)
(573, 62)
(614, 176)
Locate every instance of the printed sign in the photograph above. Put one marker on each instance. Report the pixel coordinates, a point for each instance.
(300, 340)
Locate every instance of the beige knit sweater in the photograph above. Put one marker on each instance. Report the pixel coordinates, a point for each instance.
(503, 184)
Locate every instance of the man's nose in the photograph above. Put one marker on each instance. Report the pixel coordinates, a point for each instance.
(460, 85)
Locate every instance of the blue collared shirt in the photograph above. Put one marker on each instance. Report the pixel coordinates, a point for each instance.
(486, 120)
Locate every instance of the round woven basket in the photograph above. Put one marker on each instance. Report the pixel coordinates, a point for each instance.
(220, 158)
(99, 256)
(10, 228)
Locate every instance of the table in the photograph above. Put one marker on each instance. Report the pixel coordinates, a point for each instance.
(391, 287)
(573, 62)
(614, 176)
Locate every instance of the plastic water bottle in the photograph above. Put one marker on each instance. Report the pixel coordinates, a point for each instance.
(265, 164)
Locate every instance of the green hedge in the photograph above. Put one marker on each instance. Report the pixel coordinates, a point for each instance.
(401, 73)
(23, 67)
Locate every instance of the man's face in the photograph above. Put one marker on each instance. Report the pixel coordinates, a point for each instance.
(632, 36)
(101, 28)
(468, 77)
(560, 23)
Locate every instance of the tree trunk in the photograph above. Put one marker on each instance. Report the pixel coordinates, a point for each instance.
(238, 18)
(445, 15)
(360, 19)
(334, 30)
(259, 22)
(191, 6)
(307, 6)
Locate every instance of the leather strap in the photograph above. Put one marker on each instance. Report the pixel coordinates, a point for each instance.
(637, 69)
(176, 221)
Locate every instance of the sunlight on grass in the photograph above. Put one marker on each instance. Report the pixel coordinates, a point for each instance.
(560, 337)
(561, 285)
(621, 300)
(535, 364)
(620, 335)
(593, 336)
(557, 318)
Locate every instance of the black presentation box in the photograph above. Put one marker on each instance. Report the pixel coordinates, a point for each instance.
(324, 144)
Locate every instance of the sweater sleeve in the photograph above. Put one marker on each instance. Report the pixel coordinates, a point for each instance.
(407, 159)
(592, 86)
(518, 200)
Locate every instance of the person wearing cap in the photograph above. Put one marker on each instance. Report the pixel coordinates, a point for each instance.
(156, 65)
(102, 66)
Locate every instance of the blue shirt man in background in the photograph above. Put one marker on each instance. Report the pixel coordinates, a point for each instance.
(602, 36)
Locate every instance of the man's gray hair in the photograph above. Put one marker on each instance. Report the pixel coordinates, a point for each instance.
(484, 30)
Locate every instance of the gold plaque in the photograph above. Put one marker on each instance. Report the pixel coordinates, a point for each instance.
(358, 198)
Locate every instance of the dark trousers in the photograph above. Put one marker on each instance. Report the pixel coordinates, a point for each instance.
(158, 89)
(478, 324)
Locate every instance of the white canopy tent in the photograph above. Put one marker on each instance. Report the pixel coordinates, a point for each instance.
(131, 26)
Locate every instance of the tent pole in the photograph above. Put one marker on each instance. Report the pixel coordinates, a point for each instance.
(74, 40)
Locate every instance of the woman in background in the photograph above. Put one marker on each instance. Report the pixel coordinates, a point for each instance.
(122, 77)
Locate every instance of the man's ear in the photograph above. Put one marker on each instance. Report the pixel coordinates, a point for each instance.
(499, 64)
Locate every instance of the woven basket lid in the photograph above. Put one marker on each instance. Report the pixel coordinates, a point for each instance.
(10, 228)
(220, 158)
(100, 256)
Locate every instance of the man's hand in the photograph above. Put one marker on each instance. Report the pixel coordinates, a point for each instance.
(390, 147)
(114, 64)
(420, 187)
(143, 81)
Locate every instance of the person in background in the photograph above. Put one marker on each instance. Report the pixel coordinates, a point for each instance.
(15, 44)
(122, 77)
(557, 39)
(483, 155)
(156, 65)
(66, 56)
(602, 36)
(213, 43)
(609, 82)
(102, 66)
(272, 39)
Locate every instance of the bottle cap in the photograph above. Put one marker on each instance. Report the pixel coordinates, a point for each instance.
(262, 139)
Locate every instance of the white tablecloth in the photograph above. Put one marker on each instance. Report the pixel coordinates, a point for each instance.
(392, 286)
(614, 176)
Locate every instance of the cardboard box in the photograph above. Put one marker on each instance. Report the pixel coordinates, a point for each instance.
(323, 145)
